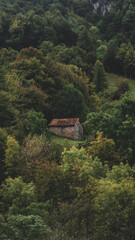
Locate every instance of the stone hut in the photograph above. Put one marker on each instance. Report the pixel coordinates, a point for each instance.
(68, 127)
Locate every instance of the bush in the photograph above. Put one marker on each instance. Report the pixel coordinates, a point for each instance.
(122, 88)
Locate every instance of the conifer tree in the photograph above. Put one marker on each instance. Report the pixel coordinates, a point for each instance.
(99, 77)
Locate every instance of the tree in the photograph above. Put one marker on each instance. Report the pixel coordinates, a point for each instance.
(82, 8)
(64, 32)
(117, 124)
(126, 55)
(37, 123)
(4, 229)
(77, 215)
(16, 195)
(99, 77)
(25, 217)
(120, 172)
(111, 63)
(85, 40)
(46, 47)
(30, 23)
(101, 53)
(3, 141)
(114, 210)
(104, 149)
(12, 157)
(7, 56)
(99, 122)
(122, 88)
(69, 103)
(73, 159)
(6, 109)
(126, 139)
(27, 227)
(94, 30)
(37, 153)
(30, 67)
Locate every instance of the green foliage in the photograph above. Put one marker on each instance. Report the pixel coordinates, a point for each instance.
(101, 53)
(27, 227)
(73, 55)
(94, 30)
(46, 47)
(6, 110)
(12, 156)
(125, 132)
(58, 43)
(3, 141)
(99, 77)
(104, 149)
(120, 21)
(34, 81)
(98, 121)
(25, 217)
(124, 107)
(111, 63)
(7, 56)
(122, 88)
(85, 40)
(70, 103)
(126, 55)
(113, 205)
(17, 196)
(118, 124)
(29, 64)
(37, 123)
(121, 172)
(4, 229)
(64, 32)
(73, 158)
(77, 216)
(36, 152)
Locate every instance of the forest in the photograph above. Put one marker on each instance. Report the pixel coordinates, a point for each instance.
(56, 59)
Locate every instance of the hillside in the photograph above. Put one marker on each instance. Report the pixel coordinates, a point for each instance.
(114, 80)
(67, 59)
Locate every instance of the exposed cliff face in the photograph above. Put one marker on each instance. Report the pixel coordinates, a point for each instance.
(102, 5)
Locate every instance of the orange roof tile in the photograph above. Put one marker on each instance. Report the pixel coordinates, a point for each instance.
(63, 122)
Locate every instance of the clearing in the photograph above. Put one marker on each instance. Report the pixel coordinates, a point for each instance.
(63, 140)
(114, 79)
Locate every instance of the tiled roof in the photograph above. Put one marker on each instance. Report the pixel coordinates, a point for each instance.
(63, 122)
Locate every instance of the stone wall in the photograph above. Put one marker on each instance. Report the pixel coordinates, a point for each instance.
(74, 132)
(78, 133)
(63, 131)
